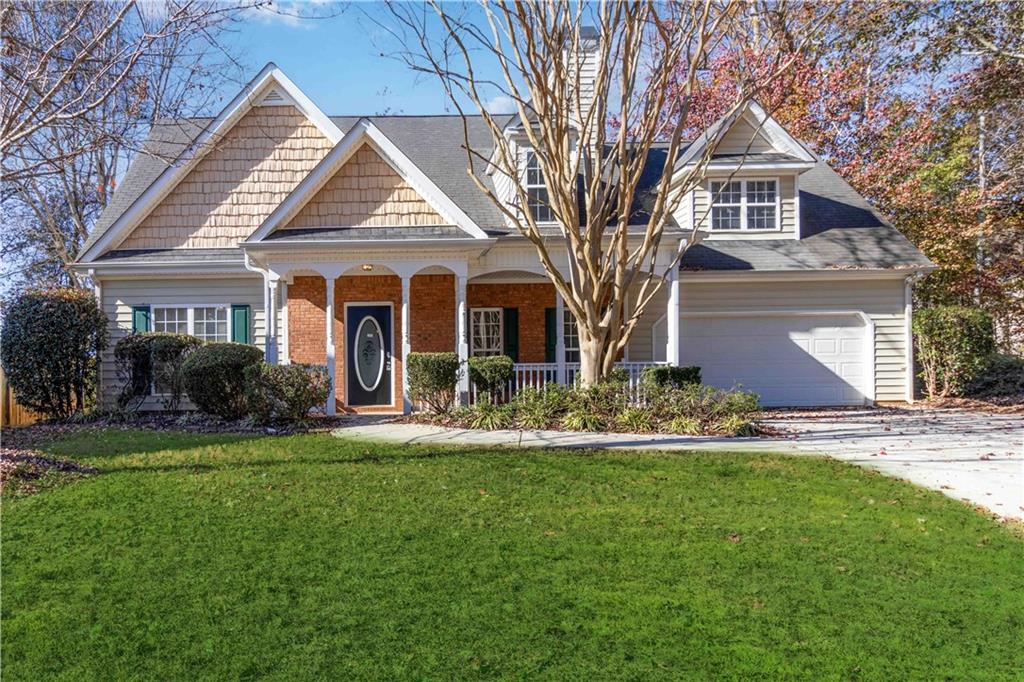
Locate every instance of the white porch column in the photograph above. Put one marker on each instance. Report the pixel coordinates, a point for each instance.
(285, 359)
(560, 339)
(331, 369)
(461, 338)
(672, 318)
(270, 312)
(406, 402)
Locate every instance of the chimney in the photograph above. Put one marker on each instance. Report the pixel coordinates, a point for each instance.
(585, 57)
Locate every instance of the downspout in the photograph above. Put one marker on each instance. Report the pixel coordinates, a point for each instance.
(251, 267)
(97, 290)
(908, 316)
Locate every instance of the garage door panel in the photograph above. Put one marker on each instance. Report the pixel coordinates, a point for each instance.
(794, 360)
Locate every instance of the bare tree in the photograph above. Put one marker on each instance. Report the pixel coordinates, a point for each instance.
(594, 88)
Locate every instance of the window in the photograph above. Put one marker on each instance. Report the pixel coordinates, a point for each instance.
(170, 320)
(744, 205)
(485, 331)
(536, 191)
(571, 337)
(211, 324)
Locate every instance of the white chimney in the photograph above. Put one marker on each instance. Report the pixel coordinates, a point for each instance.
(584, 57)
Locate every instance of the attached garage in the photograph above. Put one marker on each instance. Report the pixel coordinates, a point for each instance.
(788, 359)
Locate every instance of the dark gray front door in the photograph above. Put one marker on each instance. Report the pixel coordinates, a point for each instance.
(368, 355)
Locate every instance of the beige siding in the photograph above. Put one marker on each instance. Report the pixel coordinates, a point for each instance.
(881, 300)
(120, 295)
(650, 330)
(233, 189)
(366, 192)
(787, 201)
(744, 138)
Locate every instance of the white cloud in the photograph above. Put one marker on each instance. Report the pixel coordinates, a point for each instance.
(500, 104)
(274, 12)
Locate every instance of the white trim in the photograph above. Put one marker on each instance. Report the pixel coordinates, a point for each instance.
(797, 228)
(190, 323)
(764, 124)
(501, 328)
(329, 347)
(795, 275)
(344, 350)
(364, 130)
(743, 205)
(908, 317)
(869, 334)
(285, 357)
(229, 115)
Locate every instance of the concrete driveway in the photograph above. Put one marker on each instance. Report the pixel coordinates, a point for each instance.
(977, 457)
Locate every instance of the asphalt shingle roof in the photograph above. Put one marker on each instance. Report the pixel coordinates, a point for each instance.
(840, 229)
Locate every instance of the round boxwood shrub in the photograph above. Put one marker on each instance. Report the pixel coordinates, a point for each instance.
(285, 392)
(953, 346)
(491, 374)
(434, 379)
(214, 377)
(152, 360)
(669, 375)
(51, 342)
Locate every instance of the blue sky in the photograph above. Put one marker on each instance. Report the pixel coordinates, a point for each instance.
(341, 62)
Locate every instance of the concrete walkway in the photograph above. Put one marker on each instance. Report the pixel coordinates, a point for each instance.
(972, 456)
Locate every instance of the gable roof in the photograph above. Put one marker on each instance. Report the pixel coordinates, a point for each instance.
(269, 83)
(364, 131)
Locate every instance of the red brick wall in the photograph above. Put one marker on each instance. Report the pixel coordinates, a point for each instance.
(432, 321)
(530, 299)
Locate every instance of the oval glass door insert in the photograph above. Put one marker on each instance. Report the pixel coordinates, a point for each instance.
(369, 353)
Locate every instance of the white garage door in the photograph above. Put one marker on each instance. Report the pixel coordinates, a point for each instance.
(788, 361)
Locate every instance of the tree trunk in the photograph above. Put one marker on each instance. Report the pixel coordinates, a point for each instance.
(591, 360)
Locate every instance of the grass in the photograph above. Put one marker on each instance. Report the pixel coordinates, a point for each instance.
(306, 557)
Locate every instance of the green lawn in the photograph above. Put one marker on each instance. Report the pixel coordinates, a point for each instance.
(305, 557)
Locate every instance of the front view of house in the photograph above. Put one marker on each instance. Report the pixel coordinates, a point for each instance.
(352, 241)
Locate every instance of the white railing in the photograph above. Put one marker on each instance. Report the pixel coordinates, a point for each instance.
(539, 374)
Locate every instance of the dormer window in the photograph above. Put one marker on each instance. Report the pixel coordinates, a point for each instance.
(537, 191)
(745, 205)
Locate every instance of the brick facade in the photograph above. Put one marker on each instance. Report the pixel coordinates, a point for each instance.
(530, 299)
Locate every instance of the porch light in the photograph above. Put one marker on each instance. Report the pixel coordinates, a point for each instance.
(367, 267)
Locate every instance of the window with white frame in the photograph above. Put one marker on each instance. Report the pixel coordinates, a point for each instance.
(571, 337)
(485, 331)
(171, 320)
(211, 323)
(537, 191)
(745, 205)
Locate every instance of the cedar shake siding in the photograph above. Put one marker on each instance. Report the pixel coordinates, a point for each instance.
(236, 186)
(366, 192)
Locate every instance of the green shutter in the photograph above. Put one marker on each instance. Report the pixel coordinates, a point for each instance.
(140, 319)
(511, 340)
(241, 316)
(550, 334)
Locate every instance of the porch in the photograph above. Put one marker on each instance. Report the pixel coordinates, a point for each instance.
(362, 320)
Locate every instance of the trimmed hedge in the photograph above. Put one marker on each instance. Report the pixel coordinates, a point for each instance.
(152, 360)
(953, 346)
(1002, 376)
(214, 378)
(285, 392)
(491, 374)
(52, 339)
(434, 379)
(668, 375)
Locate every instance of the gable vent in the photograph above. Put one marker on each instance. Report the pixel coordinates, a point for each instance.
(274, 98)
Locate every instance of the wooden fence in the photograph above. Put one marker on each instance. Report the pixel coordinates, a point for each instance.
(11, 413)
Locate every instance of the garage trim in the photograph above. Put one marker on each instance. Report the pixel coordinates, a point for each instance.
(869, 333)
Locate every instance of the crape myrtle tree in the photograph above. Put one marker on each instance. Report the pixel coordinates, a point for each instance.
(593, 86)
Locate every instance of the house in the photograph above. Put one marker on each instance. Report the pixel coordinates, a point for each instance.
(353, 241)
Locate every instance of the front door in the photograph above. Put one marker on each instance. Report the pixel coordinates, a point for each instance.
(368, 355)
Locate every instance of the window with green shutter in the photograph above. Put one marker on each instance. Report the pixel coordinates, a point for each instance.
(241, 320)
(511, 333)
(141, 319)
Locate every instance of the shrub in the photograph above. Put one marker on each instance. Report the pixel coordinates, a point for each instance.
(635, 420)
(667, 375)
(51, 341)
(735, 425)
(539, 408)
(687, 426)
(491, 375)
(284, 392)
(214, 377)
(1002, 375)
(953, 345)
(434, 379)
(490, 417)
(152, 360)
(580, 419)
